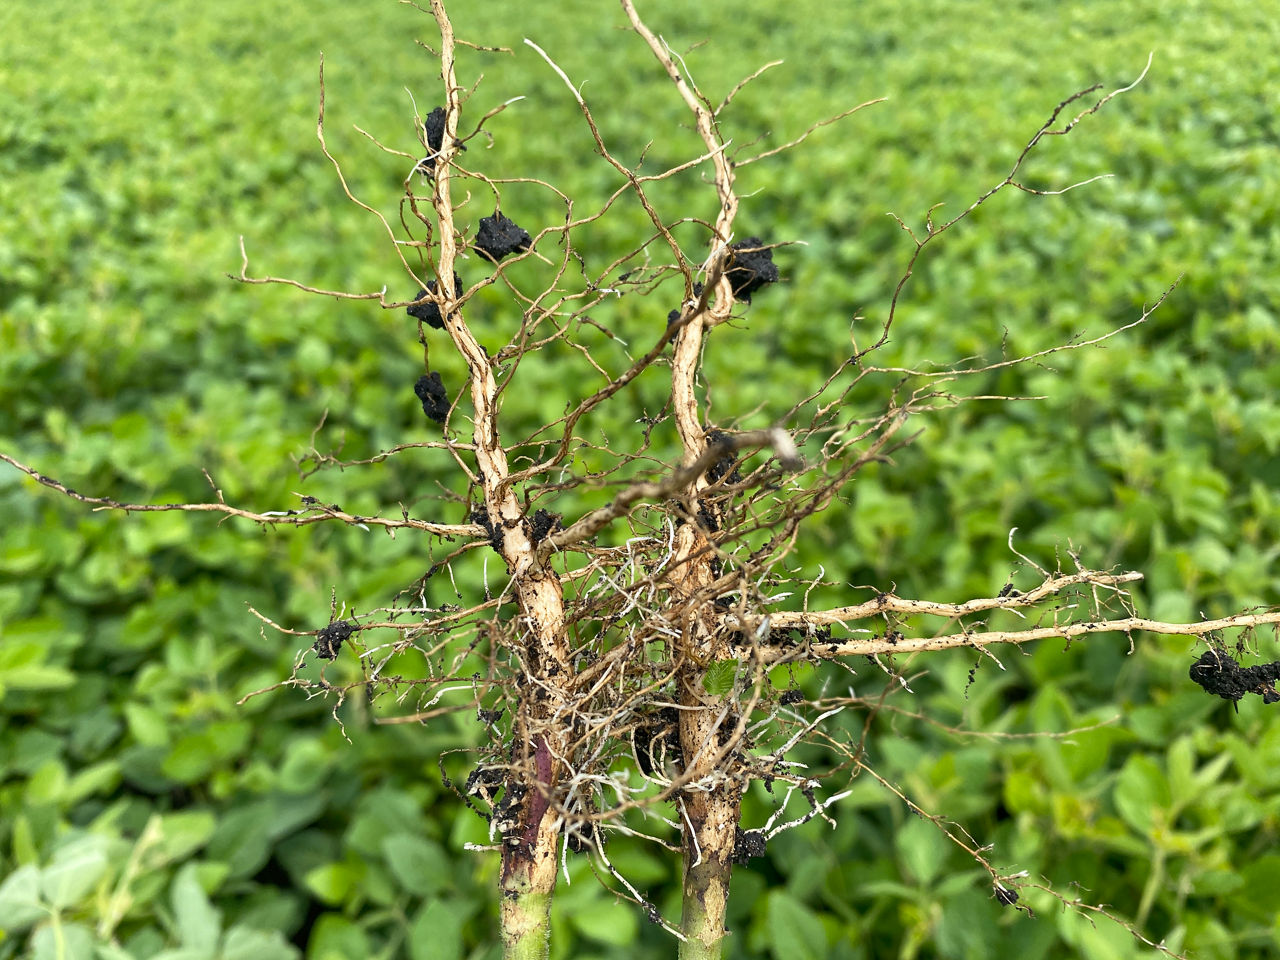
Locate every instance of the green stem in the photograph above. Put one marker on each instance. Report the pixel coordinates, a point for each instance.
(706, 891)
(526, 926)
(1155, 880)
(710, 829)
(528, 877)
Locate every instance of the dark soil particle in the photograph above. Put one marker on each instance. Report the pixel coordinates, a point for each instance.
(434, 397)
(725, 465)
(494, 530)
(675, 315)
(500, 236)
(434, 129)
(543, 523)
(658, 740)
(707, 518)
(747, 844)
(1219, 674)
(329, 640)
(424, 308)
(750, 267)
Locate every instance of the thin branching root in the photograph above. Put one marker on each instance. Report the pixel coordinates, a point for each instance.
(619, 650)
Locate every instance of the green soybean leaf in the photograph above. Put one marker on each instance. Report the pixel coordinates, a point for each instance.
(795, 932)
(199, 922)
(65, 941)
(436, 933)
(244, 943)
(607, 920)
(1141, 792)
(20, 904)
(419, 864)
(75, 870)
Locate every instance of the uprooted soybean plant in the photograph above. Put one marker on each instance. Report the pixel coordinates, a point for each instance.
(634, 642)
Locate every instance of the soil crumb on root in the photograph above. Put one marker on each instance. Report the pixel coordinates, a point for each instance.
(750, 267)
(494, 530)
(434, 129)
(725, 466)
(1005, 895)
(427, 310)
(747, 844)
(500, 236)
(1219, 674)
(543, 523)
(329, 640)
(435, 400)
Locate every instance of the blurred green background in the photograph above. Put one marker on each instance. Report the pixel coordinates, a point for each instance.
(142, 810)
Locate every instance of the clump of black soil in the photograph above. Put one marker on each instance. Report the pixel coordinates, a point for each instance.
(500, 236)
(750, 267)
(434, 128)
(579, 842)
(494, 530)
(427, 310)
(329, 640)
(707, 517)
(675, 315)
(747, 844)
(725, 466)
(657, 740)
(1219, 674)
(434, 397)
(543, 522)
